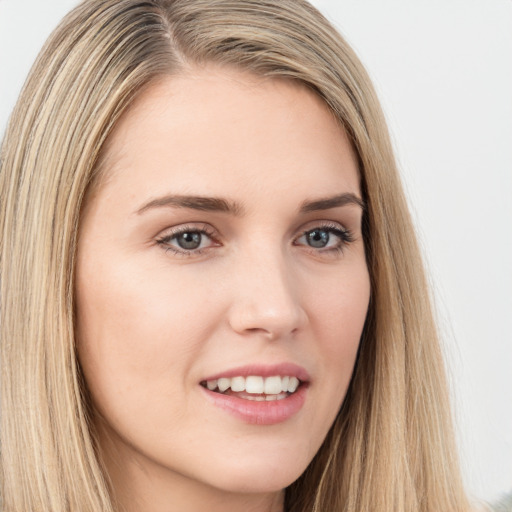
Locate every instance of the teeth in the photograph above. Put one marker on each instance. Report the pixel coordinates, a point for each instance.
(267, 398)
(275, 387)
(238, 384)
(224, 384)
(258, 398)
(293, 384)
(254, 384)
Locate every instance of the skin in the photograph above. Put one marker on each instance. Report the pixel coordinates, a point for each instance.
(153, 323)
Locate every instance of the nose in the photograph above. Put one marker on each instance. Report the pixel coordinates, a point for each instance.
(266, 299)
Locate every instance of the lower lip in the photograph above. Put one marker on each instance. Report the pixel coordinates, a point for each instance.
(260, 413)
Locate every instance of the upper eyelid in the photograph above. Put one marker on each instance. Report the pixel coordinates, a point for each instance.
(183, 228)
(325, 224)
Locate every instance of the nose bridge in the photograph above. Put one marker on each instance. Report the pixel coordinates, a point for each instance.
(267, 299)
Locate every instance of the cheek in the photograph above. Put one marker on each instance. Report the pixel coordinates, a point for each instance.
(339, 317)
(137, 335)
(341, 307)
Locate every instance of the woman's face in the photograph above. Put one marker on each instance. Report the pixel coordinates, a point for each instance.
(223, 248)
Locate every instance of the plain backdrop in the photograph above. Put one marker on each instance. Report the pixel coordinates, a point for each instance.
(443, 70)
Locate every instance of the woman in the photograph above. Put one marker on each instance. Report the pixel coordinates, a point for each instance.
(212, 297)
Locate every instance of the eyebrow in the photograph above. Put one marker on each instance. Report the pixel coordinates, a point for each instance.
(332, 202)
(215, 204)
(205, 204)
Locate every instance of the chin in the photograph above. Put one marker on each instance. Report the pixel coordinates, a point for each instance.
(256, 483)
(266, 476)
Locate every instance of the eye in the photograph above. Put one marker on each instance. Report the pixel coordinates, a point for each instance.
(187, 240)
(325, 238)
(318, 238)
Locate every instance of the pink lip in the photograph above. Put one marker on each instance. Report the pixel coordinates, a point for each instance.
(283, 369)
(261, 413)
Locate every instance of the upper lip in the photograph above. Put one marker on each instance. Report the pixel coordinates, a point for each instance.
(282, 369)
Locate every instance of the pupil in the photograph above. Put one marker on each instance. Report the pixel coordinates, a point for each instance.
(318, 238)
(189, 240)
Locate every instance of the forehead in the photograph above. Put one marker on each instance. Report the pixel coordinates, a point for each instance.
(213, 127)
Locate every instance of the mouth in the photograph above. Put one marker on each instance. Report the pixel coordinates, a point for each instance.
(255, 387)
(259, 394)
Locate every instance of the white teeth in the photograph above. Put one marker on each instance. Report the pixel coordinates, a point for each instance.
(293, 384)
(224, 384)
(238, 384)
(254, 384)
(257, 398)
(266, 398)
(274, 387)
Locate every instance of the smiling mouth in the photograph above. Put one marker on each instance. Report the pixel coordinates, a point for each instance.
(255, 387)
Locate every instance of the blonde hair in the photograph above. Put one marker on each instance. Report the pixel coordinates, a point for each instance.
(391, 447)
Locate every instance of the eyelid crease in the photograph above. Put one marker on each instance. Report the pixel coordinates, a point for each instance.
(171, 233)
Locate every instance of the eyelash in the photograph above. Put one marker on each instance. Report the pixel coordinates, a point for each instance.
(343, 234)
(166, 239)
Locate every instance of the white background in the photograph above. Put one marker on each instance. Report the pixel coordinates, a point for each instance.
(443, 70)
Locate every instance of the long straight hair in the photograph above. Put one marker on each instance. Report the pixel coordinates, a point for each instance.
(391, 446)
